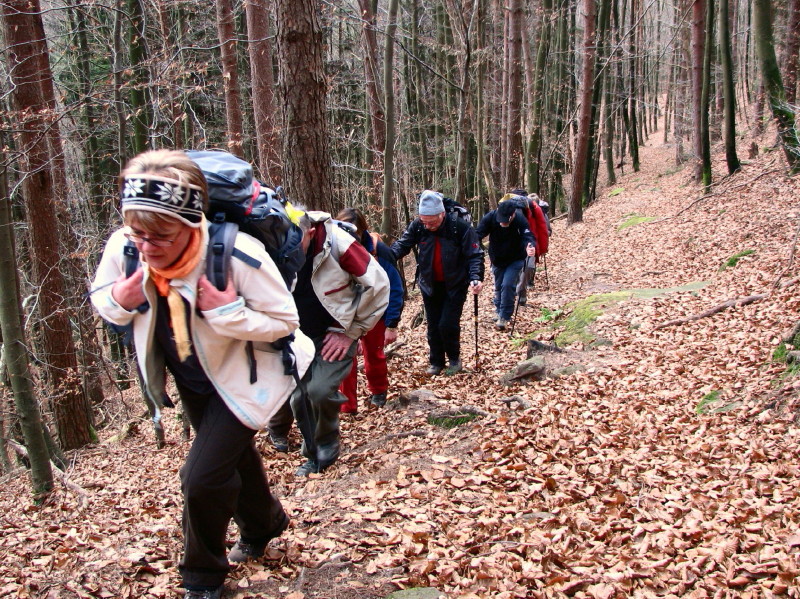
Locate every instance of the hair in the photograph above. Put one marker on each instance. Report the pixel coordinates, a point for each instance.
(304, 222)
(354, 216)
(172, 164)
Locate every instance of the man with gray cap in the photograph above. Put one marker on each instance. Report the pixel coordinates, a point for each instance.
(450, 262)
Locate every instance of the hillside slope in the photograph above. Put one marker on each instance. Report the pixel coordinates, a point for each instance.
(623, 479)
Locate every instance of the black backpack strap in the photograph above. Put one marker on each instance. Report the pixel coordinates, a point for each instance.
(304, 421)
(131, 255)
(221, 240)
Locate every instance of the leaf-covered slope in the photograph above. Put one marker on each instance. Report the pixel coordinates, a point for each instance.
(604, 483)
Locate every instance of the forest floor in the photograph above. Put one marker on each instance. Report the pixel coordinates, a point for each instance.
(664, 465)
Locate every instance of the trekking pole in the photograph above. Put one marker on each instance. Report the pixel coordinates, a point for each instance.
(546, 277)
(514, 318)
(475, 318)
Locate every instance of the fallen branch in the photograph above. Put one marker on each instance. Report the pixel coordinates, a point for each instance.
(59, 474)
(791, 257)
(740, 301)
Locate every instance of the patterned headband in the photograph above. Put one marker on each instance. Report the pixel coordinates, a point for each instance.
(166, 196)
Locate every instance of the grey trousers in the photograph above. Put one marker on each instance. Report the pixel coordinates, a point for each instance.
(322, 381)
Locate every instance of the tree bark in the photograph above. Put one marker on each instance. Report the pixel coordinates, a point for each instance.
(43, 199)
(375, 99)
(141, 110)
(230, 77)
(512, 126)
(303, 88)
(729, 93)
(388, 88)
(792, 51)
(16, 358)
(773, 86)
(259, 48)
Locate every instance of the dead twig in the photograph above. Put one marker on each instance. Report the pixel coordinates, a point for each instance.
(740, 301)
(59, 474)
(791, 257)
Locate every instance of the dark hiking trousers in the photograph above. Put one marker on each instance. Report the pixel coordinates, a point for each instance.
(322, 381)
(443, 313)
(223, 478)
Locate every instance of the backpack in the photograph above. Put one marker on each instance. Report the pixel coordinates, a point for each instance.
(537, 222)
(451, 207)
(239, 202)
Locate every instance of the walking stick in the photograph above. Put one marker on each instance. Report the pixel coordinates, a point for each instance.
(516, 308)
(475, 318)
(546, 277)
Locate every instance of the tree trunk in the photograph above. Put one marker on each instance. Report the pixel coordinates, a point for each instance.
(575, 213)
(388, 87)
(259, 48)
(43, 199)
(729, 93)
(230, 77)
(705, 136)
(303, 87)
(141, 110)
(773, 86)
(16, 358)
(792, 51)
(512, 126)
(698, 45)
(375, 103)
(537, 102)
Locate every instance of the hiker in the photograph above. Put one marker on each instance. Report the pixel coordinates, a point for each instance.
(183, 323)
(535, 211)
(341, 292)
(385, 330)
(510, 241)
(450, 261)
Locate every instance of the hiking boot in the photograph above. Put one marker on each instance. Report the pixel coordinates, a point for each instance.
(434, 370)
(309, 467)
(204, 594)
(378, 400)
(280, 443)
(455, 366)
(243, 551)
(501, 324)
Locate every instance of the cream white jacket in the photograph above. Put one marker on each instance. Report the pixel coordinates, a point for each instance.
(263, 312)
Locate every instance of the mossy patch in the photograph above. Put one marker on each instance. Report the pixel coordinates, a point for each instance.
(574, 319)
(734, 260)
(633, 220)
(451, 421)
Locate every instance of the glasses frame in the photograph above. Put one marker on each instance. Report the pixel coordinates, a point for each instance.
(159, 243)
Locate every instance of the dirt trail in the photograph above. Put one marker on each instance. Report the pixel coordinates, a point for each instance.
(605, 483)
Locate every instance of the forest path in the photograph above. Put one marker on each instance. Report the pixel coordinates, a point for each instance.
(620, 480)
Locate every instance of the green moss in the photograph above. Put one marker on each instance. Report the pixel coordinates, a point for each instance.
(633, 220)
(779, 355)
(451, 421)
(734, 260)
(705, 402)
(616, 191)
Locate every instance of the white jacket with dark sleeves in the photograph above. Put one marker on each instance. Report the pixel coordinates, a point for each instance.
(263, 312)
(347, 280)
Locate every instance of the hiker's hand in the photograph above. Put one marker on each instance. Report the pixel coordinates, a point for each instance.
(390, 336)
(531, 250)
(128, 292)
(476, 287)
(335, 346)
(209, 297)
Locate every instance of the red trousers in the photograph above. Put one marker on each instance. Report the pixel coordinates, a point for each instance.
(374, 368)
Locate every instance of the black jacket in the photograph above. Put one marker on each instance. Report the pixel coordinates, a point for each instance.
(462, 256)
(506, 244)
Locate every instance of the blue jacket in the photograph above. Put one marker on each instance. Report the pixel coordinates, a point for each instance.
(386, 259)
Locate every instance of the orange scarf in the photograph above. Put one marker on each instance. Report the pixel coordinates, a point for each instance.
(162, 277)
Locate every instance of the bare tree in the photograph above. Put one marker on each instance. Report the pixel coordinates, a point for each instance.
(230, 76)
(259, 47)
(303, 87)
(575, 213)
(22, 24)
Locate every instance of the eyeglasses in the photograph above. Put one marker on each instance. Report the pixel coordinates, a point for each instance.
(154, 241)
